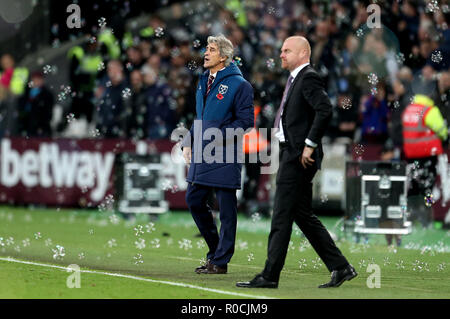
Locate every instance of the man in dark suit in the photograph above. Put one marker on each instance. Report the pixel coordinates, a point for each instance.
(302, 119)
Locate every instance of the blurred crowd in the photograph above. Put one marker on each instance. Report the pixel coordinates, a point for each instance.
(139, 82)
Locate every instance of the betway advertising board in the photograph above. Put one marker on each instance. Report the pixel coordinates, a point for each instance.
(72, 173)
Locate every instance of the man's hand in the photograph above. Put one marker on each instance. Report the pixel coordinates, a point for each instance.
(306, 159)
(187, 154)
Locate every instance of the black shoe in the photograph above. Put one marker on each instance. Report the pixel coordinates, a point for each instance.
(258, 282)
(198, 270)
(214, 269)
(339, 276)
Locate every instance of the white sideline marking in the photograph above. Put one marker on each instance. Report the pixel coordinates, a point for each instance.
(179, 284)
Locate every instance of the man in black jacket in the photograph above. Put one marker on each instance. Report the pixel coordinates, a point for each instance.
(301, 121)
(36, 108)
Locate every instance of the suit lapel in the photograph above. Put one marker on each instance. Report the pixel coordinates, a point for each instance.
(296, 80)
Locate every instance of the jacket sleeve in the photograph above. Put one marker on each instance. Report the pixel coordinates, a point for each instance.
(243, 108)
(434, 120)
(314, 93)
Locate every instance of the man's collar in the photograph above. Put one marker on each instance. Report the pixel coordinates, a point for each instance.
(298, 69)
(215, 74)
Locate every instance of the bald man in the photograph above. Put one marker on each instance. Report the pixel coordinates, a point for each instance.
(301, 121)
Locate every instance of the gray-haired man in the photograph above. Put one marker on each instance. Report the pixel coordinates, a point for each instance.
(224, 100)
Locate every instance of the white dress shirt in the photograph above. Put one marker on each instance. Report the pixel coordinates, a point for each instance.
(215, 74)
(280, 133)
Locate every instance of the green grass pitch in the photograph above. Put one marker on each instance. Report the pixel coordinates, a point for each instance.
(144, 258)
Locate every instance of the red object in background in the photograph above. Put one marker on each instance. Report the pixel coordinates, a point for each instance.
(6, 77)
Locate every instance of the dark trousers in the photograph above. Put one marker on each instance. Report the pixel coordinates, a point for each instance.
(293, 197)
(221, 246)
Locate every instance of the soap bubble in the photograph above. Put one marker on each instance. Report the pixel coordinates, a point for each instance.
(58, 252)
(359, 33)
(359, 149)
(346, 103)
(95, 132)
(373, 78)
(185, 244)
(70, 117)
(237, 61)
(114, 219)
(400, 58)
(302, 263)
(101, 22)
(140, 243)
(47, 69)
(270, 63)
(256, 217)
(9, 241)
(150, 227)
(112, 243)
(101, 66)
(374, 44)
(126, 93)
(400, 265)
(242, 245)
(271, 10)
(156, 243)
(192, 65)
(138, 259)
(26, 242)
(159, 32)
(373, 91)
(432, 6)
(317, 263)
(436, 56)
(362, 263)
(200, 244)
(138, 230)
(429, 200)
(441, 267)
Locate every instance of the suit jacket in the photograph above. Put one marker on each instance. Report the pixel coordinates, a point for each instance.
(307, 112)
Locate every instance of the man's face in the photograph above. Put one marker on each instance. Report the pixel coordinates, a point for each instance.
(38, 81)
(115, 73)
(212, 56)
(7, 62)
(136, 79)
(291, 55)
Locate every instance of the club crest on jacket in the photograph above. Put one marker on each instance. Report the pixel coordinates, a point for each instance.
(223, 89)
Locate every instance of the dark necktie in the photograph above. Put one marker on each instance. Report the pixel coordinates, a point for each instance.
(283, 100)
(210, 82)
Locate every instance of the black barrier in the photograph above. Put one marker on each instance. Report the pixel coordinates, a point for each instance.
(138, 184)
